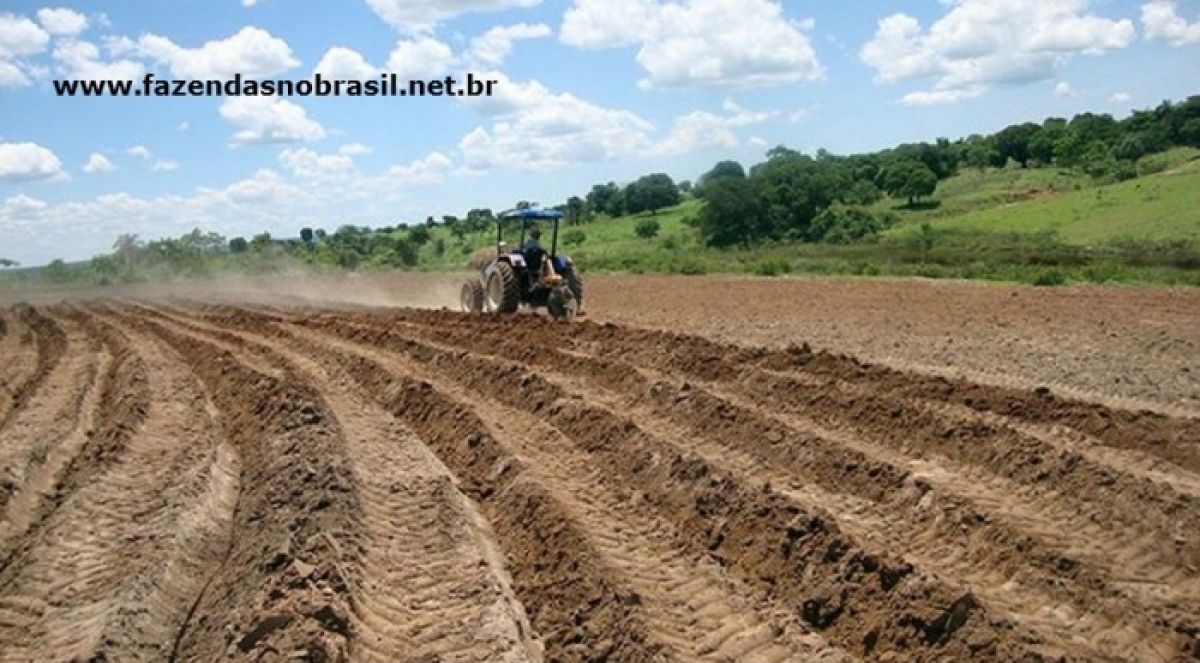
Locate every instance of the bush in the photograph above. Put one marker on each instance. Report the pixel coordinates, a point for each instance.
(670, 243)
(770, 267)
(647, 228)
(574, 237)
(1050, 278)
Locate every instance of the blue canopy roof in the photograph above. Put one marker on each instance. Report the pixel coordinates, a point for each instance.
(531, 213)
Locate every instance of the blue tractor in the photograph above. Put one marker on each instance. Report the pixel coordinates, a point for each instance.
(528, 276)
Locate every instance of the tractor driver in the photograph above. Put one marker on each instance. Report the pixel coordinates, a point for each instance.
(532, 249)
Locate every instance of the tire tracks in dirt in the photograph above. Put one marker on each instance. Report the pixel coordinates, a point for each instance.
(50, 343)
(562, 580)
(754, 532)
(692, 608)
(18, 357)
(431, 585)
(279, 587)
(872, 493)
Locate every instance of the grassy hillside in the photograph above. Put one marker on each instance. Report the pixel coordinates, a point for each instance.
(1156, 207)
(1033, 225)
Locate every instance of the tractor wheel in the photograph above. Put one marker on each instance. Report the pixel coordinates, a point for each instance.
(503, 291)
(472, 297)
(561, 303)
(575, 283)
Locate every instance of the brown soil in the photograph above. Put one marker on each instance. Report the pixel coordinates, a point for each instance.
(701, 470)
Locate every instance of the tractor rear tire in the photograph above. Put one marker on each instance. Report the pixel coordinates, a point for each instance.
(561, 303)
(472, 297)
(503, 291)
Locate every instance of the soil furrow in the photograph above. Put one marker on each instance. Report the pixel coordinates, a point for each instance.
(62, 579)
(1171, 438)
(756, 533)
(954, 538)
(51, 345)
(429, 585)
(18, 358)
(566, 586)
(48, 429)
(280, 586)
(672, 585)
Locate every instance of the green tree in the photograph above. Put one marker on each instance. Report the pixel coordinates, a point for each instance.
(5, 263)
(419, 236)
(651, 193)
(911, 180)
(1013, 142)
(306, 235)
(732, 212)
(238, 245)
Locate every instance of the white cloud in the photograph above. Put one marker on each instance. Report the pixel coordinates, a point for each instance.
(1065, 89)
(429, 170)
(424, 15)
(165, 165)
(536, 129)
(981, 43)
(19, 37)
(306, 164)
(1121, 98)
(98, 163)
(354, 149)
(1162, 22)
(492, 47)
(699, 43)
(252, 52)
(81, 60)
(419, 58)
(938, 97)
(139, 151)
(21, 162)
(344, 63)
(702, 130)
(183, 126)
(269, 120)
(62, 21)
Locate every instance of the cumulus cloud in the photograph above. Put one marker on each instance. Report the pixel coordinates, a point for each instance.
(536, 129)
(979, 44)
(700, 130)
(62, 21)
(1161, 21)
(82, 60)
(424, 15)
(252, 52)
(699, 43)
(269, 120)
(1121, 98)
(492, 47)
(423, 57)
(1065, 89)
(345, 63)
(165, 165)
(140, 151)
(19, 37)
(24, 162)
(98, 163)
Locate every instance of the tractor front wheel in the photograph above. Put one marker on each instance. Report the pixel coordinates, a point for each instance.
(503, 291)
(472, 297)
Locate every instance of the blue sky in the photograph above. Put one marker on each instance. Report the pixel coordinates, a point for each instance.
(589, 91)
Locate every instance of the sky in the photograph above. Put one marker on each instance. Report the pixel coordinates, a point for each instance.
(587, 91)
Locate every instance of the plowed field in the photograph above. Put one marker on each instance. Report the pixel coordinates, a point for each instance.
(198, 482)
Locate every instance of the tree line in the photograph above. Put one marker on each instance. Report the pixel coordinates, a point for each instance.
(788, 197)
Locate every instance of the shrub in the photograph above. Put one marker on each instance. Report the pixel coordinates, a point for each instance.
(647, 228)
(574, 237)
(1050, 278)
(770, 267)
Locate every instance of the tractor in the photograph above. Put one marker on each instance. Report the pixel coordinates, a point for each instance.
(528, 276)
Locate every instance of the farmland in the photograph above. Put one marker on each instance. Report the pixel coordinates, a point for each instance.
(702, 469)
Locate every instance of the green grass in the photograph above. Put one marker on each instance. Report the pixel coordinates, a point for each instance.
(1157, 207)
